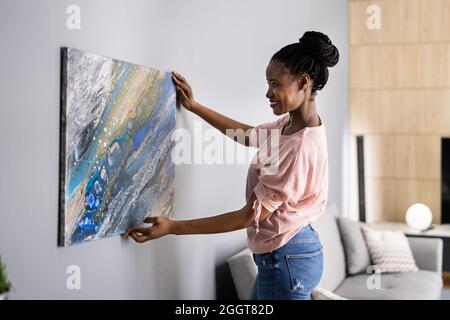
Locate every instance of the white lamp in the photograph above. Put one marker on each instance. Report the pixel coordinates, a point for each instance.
(418, 216)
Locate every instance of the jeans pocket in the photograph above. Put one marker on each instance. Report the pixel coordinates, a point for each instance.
(305, 270)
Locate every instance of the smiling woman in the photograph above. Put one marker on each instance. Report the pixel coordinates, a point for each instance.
(281, 204)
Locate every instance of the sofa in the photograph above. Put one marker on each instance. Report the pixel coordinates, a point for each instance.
(418, 285)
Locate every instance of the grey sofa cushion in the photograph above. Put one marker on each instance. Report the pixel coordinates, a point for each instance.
(243, 270)
(419, 285)
(427, 252)
(334, 271)
(356, 252)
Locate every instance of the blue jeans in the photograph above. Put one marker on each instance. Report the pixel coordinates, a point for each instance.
(292, 271)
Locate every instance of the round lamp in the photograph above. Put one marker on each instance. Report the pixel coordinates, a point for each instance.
(418, 216)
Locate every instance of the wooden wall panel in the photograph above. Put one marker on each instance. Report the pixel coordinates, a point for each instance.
(402, 21)
(400, 102)
(375, 66)
(398, 23)
(390, 198)
(400, 66)
(434, 22)
(402, 156)
(406, 111)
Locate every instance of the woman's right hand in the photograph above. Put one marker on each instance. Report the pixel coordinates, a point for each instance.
(184, 91)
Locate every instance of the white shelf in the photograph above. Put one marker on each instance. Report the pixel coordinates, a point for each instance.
(438, 230)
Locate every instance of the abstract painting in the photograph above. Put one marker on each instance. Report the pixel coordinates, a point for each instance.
(117, 119)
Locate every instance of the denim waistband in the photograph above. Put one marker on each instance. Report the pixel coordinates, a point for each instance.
(307, 234)
(306, 239)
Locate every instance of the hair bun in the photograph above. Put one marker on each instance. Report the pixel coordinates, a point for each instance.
(314, 35)
(319, 46)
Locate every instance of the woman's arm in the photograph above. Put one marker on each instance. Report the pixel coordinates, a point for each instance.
(230, 221)
(226, 222)
(217, 120)
(222, 123)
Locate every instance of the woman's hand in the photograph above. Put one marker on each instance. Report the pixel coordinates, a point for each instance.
(184, 91)
(162, 226)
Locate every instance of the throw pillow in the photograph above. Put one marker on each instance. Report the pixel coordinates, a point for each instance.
(389, 250)
(356, 252)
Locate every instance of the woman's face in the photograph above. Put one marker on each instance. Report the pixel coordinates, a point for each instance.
(285, 93)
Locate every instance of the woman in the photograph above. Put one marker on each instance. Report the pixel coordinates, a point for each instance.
(281, 205)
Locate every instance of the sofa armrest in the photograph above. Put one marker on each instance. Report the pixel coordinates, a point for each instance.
(427, 252)
(243, 270)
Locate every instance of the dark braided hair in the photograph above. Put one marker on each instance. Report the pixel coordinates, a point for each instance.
(313, 54)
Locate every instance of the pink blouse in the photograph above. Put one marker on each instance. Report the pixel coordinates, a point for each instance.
(292, 183)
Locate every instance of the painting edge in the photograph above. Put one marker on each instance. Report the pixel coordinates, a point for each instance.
(62, 147)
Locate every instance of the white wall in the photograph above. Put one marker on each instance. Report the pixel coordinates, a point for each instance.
(222, 47)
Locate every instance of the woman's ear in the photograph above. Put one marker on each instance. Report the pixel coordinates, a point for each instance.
(303, 81)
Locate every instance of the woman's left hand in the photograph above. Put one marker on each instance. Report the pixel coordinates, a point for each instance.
(162, 226)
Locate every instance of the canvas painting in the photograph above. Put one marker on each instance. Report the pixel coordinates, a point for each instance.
(117, 120)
